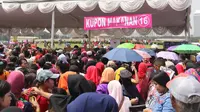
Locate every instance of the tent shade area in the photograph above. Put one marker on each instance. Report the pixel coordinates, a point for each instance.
(167, 15)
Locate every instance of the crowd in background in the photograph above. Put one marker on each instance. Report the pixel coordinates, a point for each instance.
(34, 79)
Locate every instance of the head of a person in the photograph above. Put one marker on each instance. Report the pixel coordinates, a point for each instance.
(5, 94)
(160, 81)
(27, 54)
(41, 62)
(107, 75)
(29, 80)
(125, 77)
(10, 66)
(21, 56)
(48, 57)
(90, 54)
(185, 94)
(1, 67)
(61, 66)
(23, 63)
(158, 63)
(13, 59)
(100, 66)
(59, 91)
(93, 74)
(100, 103)
(1, 48)
(77, 85)
(46, 79)
(115, 90)
(189, 64)
(16, 80)
(47, 66)
(74, 68)
(34, 67)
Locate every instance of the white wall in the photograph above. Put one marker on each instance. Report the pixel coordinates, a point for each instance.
(195, 6)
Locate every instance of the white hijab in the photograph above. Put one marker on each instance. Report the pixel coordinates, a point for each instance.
(115, 90)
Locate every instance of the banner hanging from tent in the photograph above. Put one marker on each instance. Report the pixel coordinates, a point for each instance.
(128, 21)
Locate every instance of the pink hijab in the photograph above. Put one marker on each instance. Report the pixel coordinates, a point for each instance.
(16, 80)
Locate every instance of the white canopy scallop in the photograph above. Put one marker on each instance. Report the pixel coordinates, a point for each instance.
(25, 17)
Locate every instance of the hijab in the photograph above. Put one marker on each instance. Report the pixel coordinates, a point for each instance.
(77, 85)
(111, 63)
(100, 67)
(93, 74)
(16, 80)
(93, 102)
(117, 73)
(108, 75)
(115, 90)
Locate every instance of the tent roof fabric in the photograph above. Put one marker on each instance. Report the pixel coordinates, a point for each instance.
(166, 14)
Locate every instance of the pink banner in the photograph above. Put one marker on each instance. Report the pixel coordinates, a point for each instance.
(128, 21)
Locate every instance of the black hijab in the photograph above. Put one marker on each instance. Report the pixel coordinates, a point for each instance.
(77, 85)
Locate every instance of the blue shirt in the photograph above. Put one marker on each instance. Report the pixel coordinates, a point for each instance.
(163, 103)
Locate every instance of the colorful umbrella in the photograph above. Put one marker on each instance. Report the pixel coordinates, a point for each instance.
(149, 51)
(139, 46)
(172, 48)
(143, 54)
(168, 55)
(187, 49)
(126, 45)
(123, 54)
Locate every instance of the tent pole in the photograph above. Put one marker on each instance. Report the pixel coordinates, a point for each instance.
(52, 29)
(89, 38)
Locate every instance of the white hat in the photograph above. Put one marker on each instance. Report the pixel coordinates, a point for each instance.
(185, 89)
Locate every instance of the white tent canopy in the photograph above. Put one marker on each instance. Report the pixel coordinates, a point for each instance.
(25, 17)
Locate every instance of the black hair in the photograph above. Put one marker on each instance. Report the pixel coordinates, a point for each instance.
(48, 57)
(29, 79)
(47, 66)
(27, 54)
(15, 53)
(161, 78)
(174, 69)
(1, 67)
(4, 88)
(59, 91)
(64, 67)
(104, 60)
(34, 67)
(20, 61)
(10, 66)
(74, 62)
(74, 68)
(13, 59)
(159, 62)
(41, 62)
(24, 70)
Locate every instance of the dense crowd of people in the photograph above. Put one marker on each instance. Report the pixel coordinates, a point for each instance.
(34, 79)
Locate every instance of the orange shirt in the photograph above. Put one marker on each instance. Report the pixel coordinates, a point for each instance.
(4, 76)
(63, 81)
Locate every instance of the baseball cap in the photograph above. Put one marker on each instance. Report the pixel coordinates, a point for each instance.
(43, 75)
(185, 89)
(125, 74)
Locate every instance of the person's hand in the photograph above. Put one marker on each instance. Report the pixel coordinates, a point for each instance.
(33, 101)
(35, 90)
(134, 101)
(147, 110)
(133, 68)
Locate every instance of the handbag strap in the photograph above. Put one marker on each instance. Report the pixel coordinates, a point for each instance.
(121, 103)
